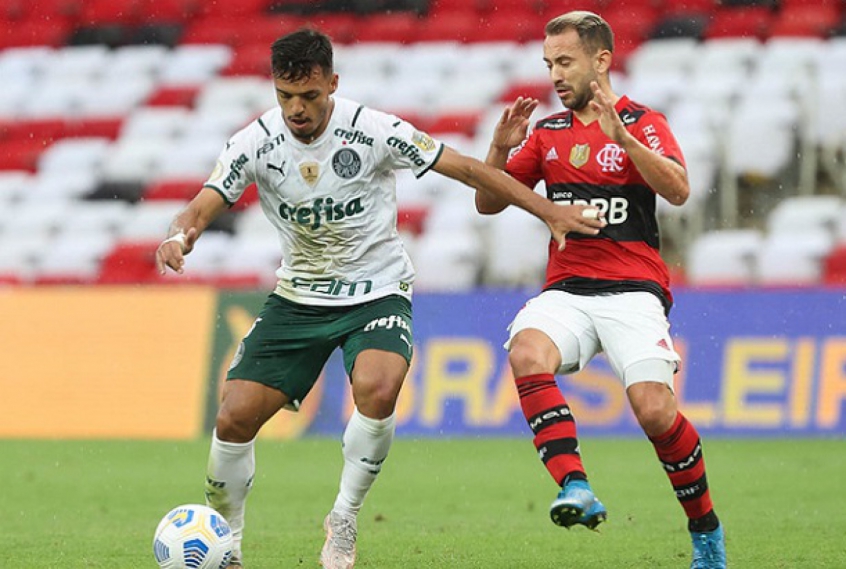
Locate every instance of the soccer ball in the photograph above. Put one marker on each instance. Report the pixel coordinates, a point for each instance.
(192, 537)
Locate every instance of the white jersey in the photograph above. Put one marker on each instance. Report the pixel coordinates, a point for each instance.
(332, 202)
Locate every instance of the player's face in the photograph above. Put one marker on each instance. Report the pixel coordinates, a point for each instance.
(306, 105)
(571, 68)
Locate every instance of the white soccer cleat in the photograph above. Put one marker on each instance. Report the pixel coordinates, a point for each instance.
(339, 549)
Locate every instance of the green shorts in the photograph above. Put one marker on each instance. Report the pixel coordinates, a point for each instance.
(289, 343)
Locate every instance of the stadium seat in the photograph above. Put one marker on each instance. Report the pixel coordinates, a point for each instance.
(449, 27)
(134, 60)
(447, 261)
(155, 123)
(497, 27)
(814, 21)
(799, 214)
(173, 189)
(397, 27)
(724, 258)
(190, 65)
(514, 262)
(129, 263)
(752, 22)
(180, 96)
(73, 259)
(794, 259)
(834, 267)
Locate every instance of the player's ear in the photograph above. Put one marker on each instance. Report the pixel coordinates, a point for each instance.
(602, 62)
(333, 83)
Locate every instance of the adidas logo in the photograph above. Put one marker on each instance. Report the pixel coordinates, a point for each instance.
(551, 155)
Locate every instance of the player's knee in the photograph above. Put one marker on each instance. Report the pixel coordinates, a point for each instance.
(376, 399)
(526, 358)
(656, 411)
(233, 428)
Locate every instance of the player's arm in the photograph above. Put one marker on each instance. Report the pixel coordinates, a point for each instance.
(665, 176)
(510, 131)
(187, 227)
(487, 179)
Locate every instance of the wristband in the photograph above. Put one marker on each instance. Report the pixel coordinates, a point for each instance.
(178, 238)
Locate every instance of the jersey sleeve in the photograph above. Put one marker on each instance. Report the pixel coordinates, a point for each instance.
(407, 147)
(235, 168)
(524, 164)
(653, 131)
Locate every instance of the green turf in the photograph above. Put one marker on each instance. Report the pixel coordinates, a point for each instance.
(439, 504)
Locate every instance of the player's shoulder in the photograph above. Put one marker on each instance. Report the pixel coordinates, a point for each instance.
(355, 115)
(632, 112)
(557, 121)
(266, 126)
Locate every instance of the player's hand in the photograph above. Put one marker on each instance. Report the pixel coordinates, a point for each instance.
(584, 219)
(609, 120)
(514, 123)
(171, 252)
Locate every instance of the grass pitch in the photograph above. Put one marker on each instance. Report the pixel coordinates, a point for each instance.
(438, 504)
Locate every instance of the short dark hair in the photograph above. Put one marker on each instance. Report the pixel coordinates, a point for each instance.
(594, 31)
(294, 56)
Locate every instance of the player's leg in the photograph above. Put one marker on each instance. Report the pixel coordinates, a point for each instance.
(245, 407)
(635, 332)
(549, 335)
(275, 367)
(679, 449)
(377, 355)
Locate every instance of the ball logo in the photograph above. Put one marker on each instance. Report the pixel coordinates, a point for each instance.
(346, 163)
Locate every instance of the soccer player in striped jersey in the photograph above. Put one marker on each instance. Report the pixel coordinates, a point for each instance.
(324, 167)
(608, 292)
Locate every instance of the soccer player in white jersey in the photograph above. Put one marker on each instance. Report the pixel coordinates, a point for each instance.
(324, 167)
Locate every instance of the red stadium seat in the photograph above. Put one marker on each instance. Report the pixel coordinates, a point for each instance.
(453, 26)
(631, 23)
(541, 90)
(171, 11)
(36, 32)
(503, 28)
(805, 21)
(94, 127)
(689, 7)
(43, 130)
(250, 59)
(168, 96)
(100, 12)
(412, 218)
(342, 28)
(396, 27)
(129, 263)
(222, 29)
(173, 189)
(461, 123)
(834, 267)
(223, 8)
(21, 154)
(753, 21)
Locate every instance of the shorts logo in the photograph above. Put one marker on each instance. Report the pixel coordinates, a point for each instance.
(239, 354)
(346, 163)
(387, 322)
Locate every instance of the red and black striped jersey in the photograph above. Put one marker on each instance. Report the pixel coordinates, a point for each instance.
(579, 164)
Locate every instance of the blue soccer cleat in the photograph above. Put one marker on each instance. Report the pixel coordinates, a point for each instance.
(709, 549)
(576, 504)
